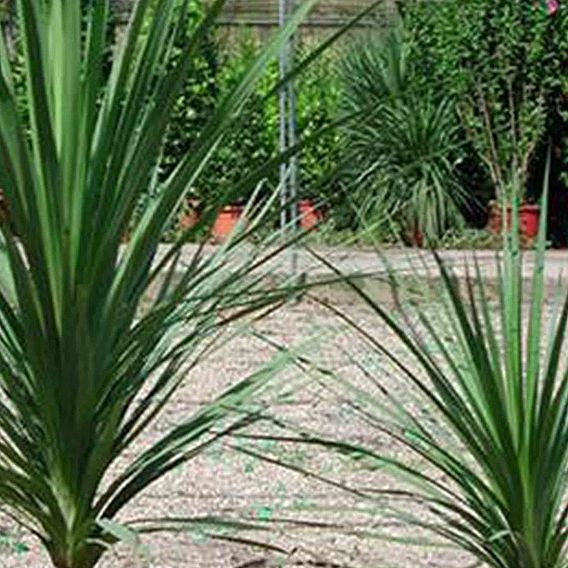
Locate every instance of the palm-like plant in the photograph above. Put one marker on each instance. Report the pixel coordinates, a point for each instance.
(482, 421)
(404, 152)
(85, 367)
(411, 169)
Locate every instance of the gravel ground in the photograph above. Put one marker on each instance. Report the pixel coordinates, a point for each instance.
(226, 481)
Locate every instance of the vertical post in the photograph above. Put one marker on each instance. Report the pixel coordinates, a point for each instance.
(288, 136)
(292, 140)
(283, 62)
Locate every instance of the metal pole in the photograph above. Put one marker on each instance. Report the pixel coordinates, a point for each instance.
(283, 61)
(288, 137)
(292, 140)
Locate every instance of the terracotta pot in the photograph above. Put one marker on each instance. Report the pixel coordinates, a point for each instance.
(414, 238)
(226, 222)
(191, 215)
(529, 220)
(310, 215)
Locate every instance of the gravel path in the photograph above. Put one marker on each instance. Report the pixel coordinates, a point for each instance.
(404, 261)
(227, 482)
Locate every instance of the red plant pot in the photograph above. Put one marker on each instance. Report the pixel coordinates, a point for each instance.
(414, 238)
(529, 220)
(191, 216)
(310, 215)
(226, 222)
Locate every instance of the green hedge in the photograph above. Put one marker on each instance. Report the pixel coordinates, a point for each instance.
(198, 100)
(254, 138)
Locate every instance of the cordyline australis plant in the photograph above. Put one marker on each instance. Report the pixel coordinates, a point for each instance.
(487, 437)
(475, 425)
(85, 367)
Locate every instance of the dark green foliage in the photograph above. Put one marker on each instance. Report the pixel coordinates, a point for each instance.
(196, 101)
(503, 62)
(250, 139)
(195, 104)
(318, 100)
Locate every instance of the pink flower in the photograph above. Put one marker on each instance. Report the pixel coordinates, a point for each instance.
(552, 6)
